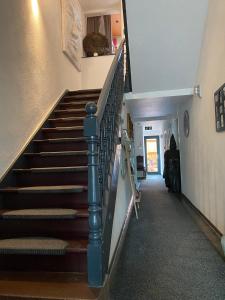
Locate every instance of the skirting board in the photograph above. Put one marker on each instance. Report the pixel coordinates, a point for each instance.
(209, 230)
(206, 220)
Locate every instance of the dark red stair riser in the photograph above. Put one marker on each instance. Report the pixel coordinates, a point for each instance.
(71, 262)
(62, 229)
(23, 201)
(61, 113)
(66, 123)
(56, 161)
(47, 146)
(63, 134)
(84, 92)
(51, 178)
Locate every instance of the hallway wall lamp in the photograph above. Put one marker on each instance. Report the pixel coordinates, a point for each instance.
(35, 8)
(197, 91)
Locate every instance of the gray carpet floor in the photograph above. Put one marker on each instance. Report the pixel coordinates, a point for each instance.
(166, 255)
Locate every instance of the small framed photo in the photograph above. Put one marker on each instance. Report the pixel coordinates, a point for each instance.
(219, 100)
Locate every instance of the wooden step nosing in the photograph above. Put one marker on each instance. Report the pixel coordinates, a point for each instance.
(53, 170)
(46, 190)
(71, 128)
(66, 119)
(81, 97)
(61, 140)
(61, 153)
(72, 103)
(70, 110)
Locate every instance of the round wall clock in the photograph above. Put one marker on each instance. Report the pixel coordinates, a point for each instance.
(186, 123)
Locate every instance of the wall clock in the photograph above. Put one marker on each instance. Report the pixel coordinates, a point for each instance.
(186, 123)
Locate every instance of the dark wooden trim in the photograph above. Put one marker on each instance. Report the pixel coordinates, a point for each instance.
(199, 213)
(127, 42)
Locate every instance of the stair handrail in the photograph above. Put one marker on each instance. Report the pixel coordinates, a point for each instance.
(101, 131)
(108, 82)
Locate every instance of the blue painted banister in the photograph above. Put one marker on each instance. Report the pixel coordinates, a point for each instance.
(101, 131)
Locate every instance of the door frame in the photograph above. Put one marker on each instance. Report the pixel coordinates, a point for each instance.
(158, 151)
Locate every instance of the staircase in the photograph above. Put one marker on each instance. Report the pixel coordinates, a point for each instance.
(57, 201)
(44, 209)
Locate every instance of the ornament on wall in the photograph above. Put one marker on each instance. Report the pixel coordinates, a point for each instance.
(72, 31)
(186, 123)
(219, 98)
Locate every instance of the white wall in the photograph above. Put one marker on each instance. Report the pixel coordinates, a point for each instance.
(95, 70)
(202, 153)
(165, 39)
(123, 198)
(33, 71)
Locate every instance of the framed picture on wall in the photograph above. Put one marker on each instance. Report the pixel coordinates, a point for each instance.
(130, 127)
(219, 99)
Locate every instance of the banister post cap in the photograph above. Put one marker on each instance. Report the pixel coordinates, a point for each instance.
(91, 108)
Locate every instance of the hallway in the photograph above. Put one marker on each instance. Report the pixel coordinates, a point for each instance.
(166, 255)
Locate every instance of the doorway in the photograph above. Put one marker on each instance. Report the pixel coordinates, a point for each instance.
(152, 155)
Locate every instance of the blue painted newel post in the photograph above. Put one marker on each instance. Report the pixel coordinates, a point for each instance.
(91, 132)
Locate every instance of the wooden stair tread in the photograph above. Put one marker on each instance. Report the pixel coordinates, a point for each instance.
(46, 285)
(61, 140)
(81, 97)
(75, 110)
(67, 119)
(71, 128)
(46, 189)
(53, 169)
(59, 153)
(71, 103)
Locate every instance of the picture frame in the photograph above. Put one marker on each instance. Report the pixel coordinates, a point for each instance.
(219, 101)
(72, 29)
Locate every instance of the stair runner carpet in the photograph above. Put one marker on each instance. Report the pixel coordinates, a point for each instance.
(44, 209)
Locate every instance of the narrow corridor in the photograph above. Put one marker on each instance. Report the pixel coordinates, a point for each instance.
(166, 255)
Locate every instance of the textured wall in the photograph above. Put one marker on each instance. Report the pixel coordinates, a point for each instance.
(33, 70)
(202, 154)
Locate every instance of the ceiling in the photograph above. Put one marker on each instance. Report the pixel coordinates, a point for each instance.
(165, 39)
(155, 108)
(99, 5)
